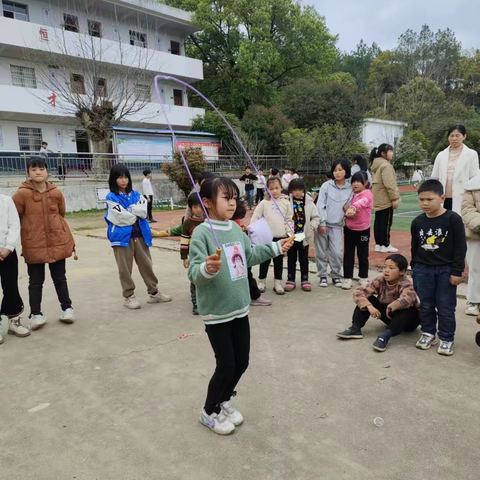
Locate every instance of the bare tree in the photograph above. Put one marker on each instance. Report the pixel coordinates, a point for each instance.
(101, 82)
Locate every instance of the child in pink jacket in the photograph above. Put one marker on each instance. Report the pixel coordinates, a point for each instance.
(358, 217)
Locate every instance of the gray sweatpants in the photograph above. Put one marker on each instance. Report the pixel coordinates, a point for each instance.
(329, 251)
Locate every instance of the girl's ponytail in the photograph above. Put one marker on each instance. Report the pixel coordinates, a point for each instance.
(374, 154)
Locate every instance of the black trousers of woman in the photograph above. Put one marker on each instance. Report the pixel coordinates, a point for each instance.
(382, 226)
(448, 203)
(231, 344)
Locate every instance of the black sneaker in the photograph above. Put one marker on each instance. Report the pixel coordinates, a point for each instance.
(323, 282)
(380, 345)
(337, 282)
(351, 333)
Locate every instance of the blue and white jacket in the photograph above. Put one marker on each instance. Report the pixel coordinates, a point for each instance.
(122, 213)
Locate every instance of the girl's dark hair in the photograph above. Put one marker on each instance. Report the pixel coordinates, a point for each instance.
(361, 177)
(329, 175)
(240, 211)
(296, 184)
(147, 171)
(361, 162)
(212, 186)
(273, 180)
(399, 260)
(119, 170)
(193, 200)
(274, 171)
(460, 128)
(293, 170)
(205, 176)
(345, 165)
(377, 152)
(35, 162)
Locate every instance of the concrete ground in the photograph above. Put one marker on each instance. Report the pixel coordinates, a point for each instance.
(116, 396)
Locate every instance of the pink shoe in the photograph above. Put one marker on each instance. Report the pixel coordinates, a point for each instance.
(306, 287)
(289, 287)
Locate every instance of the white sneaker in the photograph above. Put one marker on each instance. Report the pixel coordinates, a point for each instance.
(445, 348)
(347, 284)
(278, 288)
(262, 286)
(132, 303)
(231, 413)
(17, 329)
(1, 339)
(426, 341)
(217, 422)
(378, 248)
(159, 298)
(363, 282)
(67, 316)
(389, 249)
(472, 309)
(36, 322)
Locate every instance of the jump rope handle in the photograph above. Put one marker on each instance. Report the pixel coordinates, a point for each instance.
(219, 251)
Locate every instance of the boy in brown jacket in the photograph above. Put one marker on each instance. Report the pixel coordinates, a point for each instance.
(46, 238)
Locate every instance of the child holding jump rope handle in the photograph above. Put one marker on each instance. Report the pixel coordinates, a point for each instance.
(223, 297)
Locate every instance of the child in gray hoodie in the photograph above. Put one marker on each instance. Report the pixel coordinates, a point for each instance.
(332, 203)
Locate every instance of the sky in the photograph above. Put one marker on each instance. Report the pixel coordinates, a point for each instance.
(383, 21)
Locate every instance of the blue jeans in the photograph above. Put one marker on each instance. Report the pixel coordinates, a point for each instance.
(438, 299)
(249, 194)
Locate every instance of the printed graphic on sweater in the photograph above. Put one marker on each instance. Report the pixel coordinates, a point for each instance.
(237, 263)
(299, 215)
(432, 239)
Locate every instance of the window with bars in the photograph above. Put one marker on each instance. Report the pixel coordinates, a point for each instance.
(70, 23)
(142, 93)
(94, 29)
(23, 76)
(15, 10)
(138, 39)
(29, 139)
(101, 90)
(78, 84)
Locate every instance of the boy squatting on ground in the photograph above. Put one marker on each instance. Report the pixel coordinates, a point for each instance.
(438, 259)
(390, 298)
(190, 224)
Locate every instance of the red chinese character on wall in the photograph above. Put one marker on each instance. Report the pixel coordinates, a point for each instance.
(44, 35)
(52, 100)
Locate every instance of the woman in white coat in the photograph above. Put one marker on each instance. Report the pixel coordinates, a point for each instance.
(455, 166)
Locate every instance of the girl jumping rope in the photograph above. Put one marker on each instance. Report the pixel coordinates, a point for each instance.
(223, 297)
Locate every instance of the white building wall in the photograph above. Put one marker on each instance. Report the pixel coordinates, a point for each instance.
(377, 131)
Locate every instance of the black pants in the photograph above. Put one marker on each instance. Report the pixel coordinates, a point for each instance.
(12, 304)
(193, 294)
(277, 266)
(149, 207)
(252, 285)
(231, 343)
(406, 320)
(260, 195)
(359, 240)
(298, 251)
(382, 226)
(448, 203)
(36, 272)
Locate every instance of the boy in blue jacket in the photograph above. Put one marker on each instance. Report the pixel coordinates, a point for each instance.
(131, 237)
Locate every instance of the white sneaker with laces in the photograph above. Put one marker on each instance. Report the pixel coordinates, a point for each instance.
(262, 286)
(17, 329)
(378, 248)
(392, 249)
(472, 309)
(426, 341)
(363, 282)
(159, 298)
(132, 303)
(261, 301)
(36, 322)
(231, 413)
(217, 422)
(67, 316)
(347, 284)
(278, 288)
(445, 348)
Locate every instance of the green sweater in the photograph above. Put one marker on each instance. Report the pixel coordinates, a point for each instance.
(224, 296)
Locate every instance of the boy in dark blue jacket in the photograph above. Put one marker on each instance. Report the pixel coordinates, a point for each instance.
(131, 237)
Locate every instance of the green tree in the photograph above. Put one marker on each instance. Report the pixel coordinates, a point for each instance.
(267, 124)
(331, 142)
(252, 48)
(177, 173)
(298, 144)
(412, 148)
(467, 85)
(358, 62)
(311, 105)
